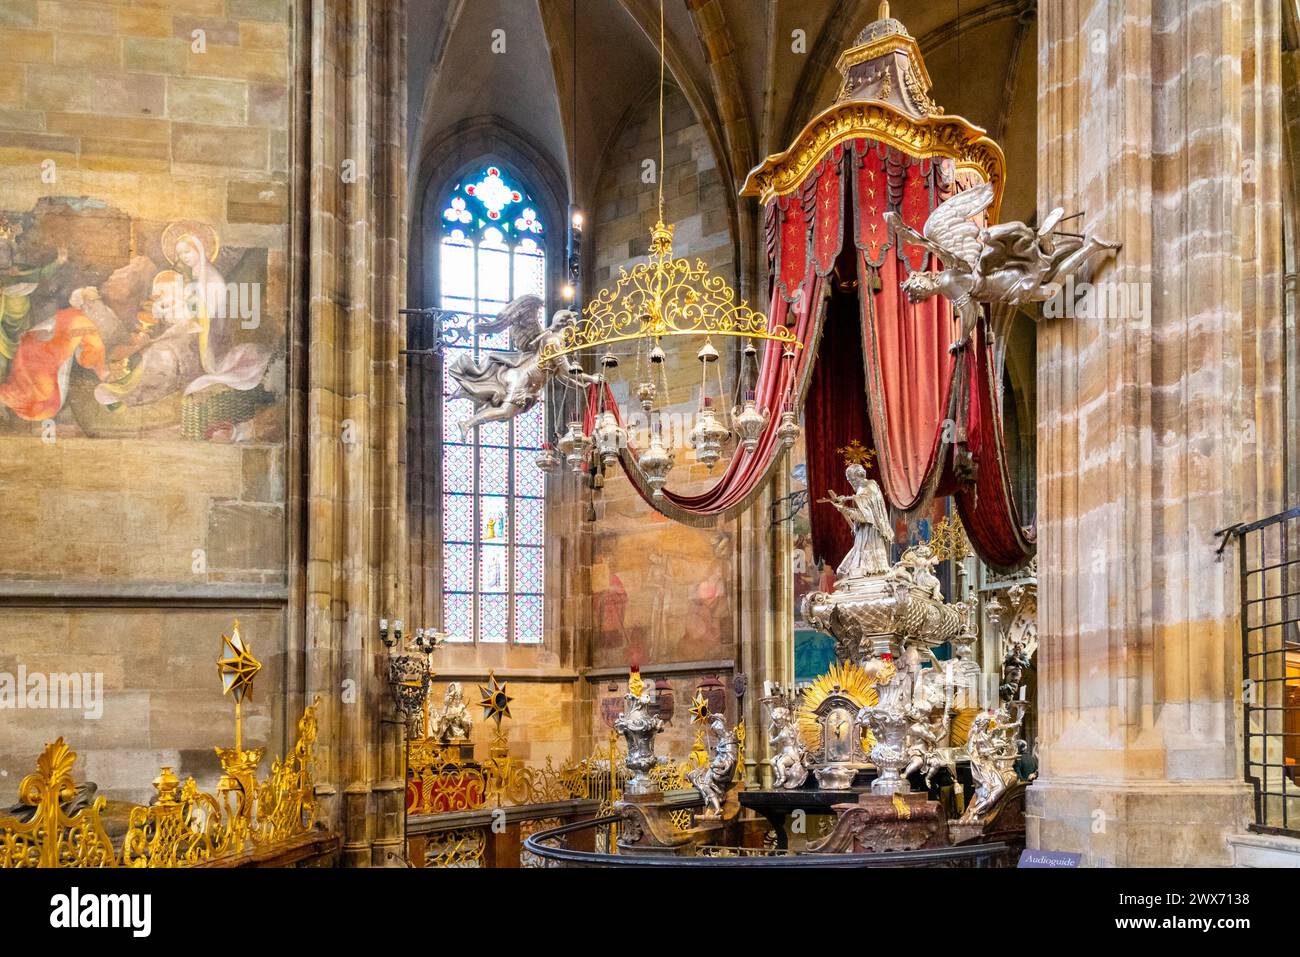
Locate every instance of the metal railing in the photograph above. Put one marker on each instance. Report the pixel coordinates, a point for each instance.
(1269, 566)
(554, 848)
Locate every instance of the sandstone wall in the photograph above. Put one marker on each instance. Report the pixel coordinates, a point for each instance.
(663, 593)
(142, 519)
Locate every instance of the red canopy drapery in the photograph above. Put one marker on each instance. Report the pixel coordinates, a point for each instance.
(922, 404)
(804, 231)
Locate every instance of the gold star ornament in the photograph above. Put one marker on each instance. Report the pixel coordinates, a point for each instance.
(496, 702)
(699, 708)
(237, 666)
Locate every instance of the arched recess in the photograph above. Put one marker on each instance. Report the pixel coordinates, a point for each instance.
(451, 154)
(455, 150)
(646, 16)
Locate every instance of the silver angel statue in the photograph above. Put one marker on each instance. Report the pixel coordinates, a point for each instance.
(453, 721)
(868, 516)
(1009, 263)
(505, 384)
(993, 749)
(713, 780)
(788, 768)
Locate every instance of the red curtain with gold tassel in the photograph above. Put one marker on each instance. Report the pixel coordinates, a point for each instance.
(804, 233)
(923, 408)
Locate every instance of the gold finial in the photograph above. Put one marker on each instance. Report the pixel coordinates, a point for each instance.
(661, 240)
(884, 10)
(635, 684)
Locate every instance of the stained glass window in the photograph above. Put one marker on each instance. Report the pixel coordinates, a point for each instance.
(492, 249)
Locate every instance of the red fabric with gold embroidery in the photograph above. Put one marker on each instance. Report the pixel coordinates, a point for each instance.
(921, 405)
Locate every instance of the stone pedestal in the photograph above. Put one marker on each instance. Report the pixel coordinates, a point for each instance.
(647, 828)
(885, 822)
(1158, 823)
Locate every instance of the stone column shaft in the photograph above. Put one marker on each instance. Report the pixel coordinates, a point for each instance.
(354, 511)
(1155, 117)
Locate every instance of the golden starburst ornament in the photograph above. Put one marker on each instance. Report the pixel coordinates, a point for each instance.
(855, 453)
(237, 667)
(699, 708)
(846, 678)
(496, 702)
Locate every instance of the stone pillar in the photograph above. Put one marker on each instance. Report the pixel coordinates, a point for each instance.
(766, 589)
(352, 408)
(1156, 428)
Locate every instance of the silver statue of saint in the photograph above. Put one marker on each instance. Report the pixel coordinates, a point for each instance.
(503, 385)
(1009, 263)
(867, 515)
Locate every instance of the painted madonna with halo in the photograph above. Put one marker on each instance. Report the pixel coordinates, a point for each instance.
(186, 341)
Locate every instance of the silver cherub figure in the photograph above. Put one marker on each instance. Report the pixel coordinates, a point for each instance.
(788, 768)
(503, 385)
(713, 779)
(1008, 263)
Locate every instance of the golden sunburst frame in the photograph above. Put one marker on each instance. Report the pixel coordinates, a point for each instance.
(846, 678)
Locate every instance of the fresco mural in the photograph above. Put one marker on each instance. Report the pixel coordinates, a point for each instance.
(663, 592)
(116, 327)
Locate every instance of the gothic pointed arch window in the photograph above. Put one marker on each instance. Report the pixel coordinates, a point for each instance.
(491, 248)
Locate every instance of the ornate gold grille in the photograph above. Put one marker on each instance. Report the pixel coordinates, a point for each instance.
(182, 828)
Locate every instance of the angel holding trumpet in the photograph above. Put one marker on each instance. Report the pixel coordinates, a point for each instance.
(1011, 263)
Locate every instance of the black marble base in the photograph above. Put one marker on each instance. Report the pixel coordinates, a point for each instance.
(777, 805)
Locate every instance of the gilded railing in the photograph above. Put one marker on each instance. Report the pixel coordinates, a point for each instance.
(184, 827)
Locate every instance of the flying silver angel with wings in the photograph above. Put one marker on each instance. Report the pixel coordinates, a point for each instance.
(503, 385)
(1009, 263)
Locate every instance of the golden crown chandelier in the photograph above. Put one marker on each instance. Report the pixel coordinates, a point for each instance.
(666, 296)
(663, 297)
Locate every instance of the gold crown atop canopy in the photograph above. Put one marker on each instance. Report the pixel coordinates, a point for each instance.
(885, 64)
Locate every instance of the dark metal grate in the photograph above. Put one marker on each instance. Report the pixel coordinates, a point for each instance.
(1269, 553)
